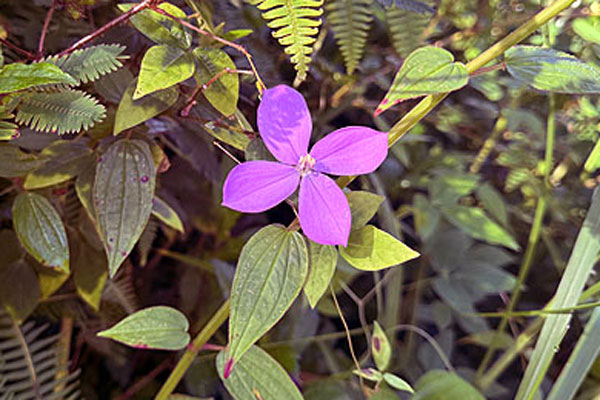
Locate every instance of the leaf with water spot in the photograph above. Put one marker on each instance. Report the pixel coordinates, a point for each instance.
(270, 274)
(41, 231)
(123, 192)
(257, 376)
(160, 328)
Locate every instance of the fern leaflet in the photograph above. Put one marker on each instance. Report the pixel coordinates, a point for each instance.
(406, 29)
(91, 63)
(350, 21)
(295, 24)
(30, 366)
(62, 112)
(415, 6)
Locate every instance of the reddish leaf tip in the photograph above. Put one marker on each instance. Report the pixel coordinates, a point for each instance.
(228, 368)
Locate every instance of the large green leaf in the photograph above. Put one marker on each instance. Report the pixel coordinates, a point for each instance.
(123, 193)
(552, 70)
(363, 206)
(323, 260)
(162, 67)
(64, 161)
(270, 274)
(257, 376)
(14, 162)
(427, 70)
(14, 77)
(223, 93)
(41, 230)
(576, 274)
(133, 112)
(474, 222)
(160, 327)
(443, 385)
(371, 249)
(161, 28)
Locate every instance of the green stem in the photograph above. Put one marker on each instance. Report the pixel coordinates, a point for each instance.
(190, 353)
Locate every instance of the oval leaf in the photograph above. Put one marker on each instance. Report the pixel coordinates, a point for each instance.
(161, 28)
(162, 67)
(270, 274)
(160, 328)
(323, 260)
(555, 71)
(427, 70)
(123, 192)
(363, 206)
(223, 93)
(380, 347)
(257, 376)
(442, 385)
(133, 112)
(371, 249)
(18, 76)
(164, 212)
(397, 383)
(41, 231)
(474, 222)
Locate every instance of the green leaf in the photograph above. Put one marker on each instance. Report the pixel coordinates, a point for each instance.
(91, 63)
(223, 94)
(363, 206)
(160, 28)
(232, 137)
(14, 162)
(160, 328)
(164, 212)
(64, 161)
(19, 289)
(162, 67)
(370, 374)
(133, 112)
(67, 111)
(8, 131)
(84, 185)
(14, 77)
(41, 230)
(576, 274)
(448, 188)
(493, 202)
(257, 376)
(551, 70)
(322, 259)
(123, 193)
(442, 385)
(380, 347)
(588, 28)
(397, 383)
(371, 249)
(270, 274)
(593, 161)
(427, 70)
(474, 222)
(90, 271)
(113, 86)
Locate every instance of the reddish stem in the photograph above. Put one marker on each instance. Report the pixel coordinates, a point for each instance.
(17, 49)
(40, 52)
(139, 385)
(484, 70)
(108, 26)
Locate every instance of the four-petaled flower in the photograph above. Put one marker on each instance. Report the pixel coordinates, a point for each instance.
(285, 126)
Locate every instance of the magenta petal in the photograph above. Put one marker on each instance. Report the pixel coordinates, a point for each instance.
(353, 150)
(323, 210)
(284, 123)
(256, 186)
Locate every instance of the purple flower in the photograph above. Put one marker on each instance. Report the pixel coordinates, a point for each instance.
(285, 126)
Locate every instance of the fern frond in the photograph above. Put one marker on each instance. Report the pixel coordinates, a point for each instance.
(350, 21)
(67, 111)
(406, 29)
(295, 23)
(91, 63)
(414, 6)
(30, 364)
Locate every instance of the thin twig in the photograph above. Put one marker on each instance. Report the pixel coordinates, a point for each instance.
(17, 49)
(227, 152)
(108, 26)
(238, 47)
(145, 380)
(191, 102)
(40, 52)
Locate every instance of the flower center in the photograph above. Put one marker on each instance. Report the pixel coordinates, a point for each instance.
(305, 165)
